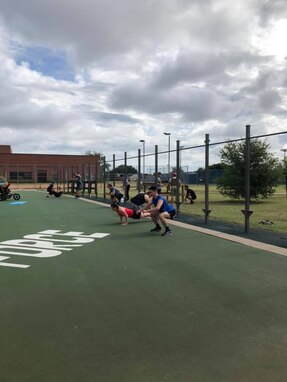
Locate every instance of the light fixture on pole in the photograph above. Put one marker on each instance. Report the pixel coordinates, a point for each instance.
(143, 142)
(284, 151)
(168, 163)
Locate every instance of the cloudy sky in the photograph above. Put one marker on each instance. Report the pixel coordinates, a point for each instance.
(100, 75)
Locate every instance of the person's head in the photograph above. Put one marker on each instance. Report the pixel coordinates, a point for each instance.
(146, 197)
(110, 186)
(186, 187)
(174, 174)
(114, 206)
(152, 191)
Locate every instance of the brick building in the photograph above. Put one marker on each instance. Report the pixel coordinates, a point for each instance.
(43, 168)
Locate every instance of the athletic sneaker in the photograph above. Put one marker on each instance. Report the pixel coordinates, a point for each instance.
(166, 233)
(156, 229)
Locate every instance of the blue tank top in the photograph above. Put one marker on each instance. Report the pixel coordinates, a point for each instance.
(166, 207)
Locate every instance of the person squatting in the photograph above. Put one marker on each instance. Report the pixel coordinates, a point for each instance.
(160, 210)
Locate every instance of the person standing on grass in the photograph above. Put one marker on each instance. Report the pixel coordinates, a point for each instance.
(79, 184)
(172, 184)
(161, 211)
(126, 187)
(158, 182)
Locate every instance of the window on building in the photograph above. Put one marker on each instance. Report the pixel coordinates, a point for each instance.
(21, 176)
(42, 176)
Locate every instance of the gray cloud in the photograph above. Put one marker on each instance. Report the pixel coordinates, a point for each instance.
(270, 10)
(141, 68)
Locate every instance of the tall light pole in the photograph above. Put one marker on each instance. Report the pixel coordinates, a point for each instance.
(143, 142)
(168, 163)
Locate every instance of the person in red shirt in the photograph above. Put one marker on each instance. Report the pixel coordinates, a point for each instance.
(126, 213)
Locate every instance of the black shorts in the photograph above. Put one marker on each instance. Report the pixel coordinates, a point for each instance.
(172, 214)
(119, 196)
(136, 215)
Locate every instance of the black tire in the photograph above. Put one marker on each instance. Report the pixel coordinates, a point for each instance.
(16, 196)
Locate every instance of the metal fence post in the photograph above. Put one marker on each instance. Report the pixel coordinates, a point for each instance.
(206, 209)
(125, 183)
(247, 213)
(97, 164)
(104, 182)
(156, 164)
(89, 183)
(139, 171)
(114, 167)
(177, 177)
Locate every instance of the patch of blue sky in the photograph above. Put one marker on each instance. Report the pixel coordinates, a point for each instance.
(46, 61)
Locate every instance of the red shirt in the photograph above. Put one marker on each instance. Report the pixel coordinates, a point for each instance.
(129, 212)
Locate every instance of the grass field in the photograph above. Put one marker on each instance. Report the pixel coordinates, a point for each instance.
(227, 210)
(134, 306)
(274, 209)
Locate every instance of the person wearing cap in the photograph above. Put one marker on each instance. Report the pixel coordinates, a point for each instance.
(160, 210)
(172, 183)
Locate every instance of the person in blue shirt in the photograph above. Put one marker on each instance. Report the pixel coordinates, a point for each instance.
(160, 210)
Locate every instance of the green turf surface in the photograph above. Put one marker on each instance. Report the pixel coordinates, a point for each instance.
(135, 306)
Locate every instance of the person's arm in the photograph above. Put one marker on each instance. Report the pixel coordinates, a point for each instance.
(125, 215)
(148, 205)
(159, 205)
(144, 214)
(122, 214)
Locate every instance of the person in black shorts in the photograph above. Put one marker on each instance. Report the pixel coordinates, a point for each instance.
(189, 194)
(115, 194)
(51, 191)
(160, 210)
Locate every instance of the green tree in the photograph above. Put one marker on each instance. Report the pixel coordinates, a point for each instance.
(102, 164)
(121, 170)
(263, 170)
(215, 166)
